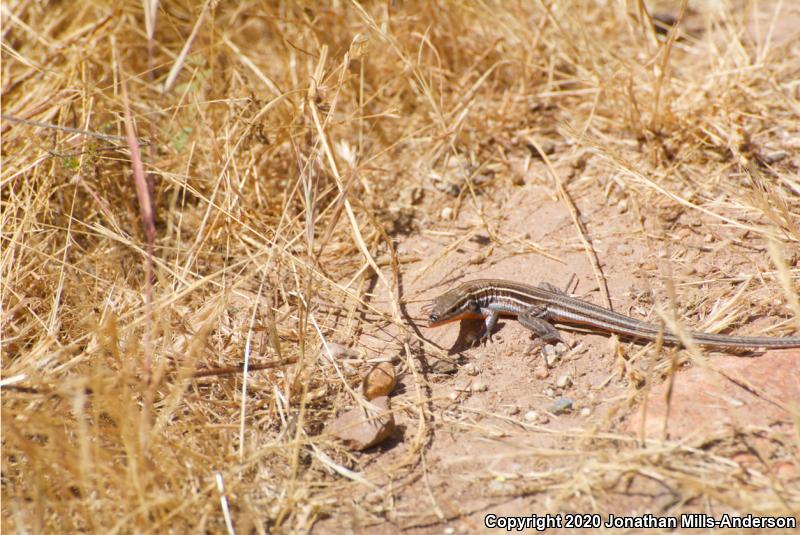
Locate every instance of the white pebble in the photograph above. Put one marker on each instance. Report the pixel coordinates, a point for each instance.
(480, 387)
(563, 381)
(471, 368)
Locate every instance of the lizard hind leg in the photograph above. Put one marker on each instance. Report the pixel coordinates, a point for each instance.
(544, 330)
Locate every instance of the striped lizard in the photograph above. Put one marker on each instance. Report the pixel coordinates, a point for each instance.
(537, 307)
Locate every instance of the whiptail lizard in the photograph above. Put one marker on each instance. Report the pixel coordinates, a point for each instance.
(536, 308)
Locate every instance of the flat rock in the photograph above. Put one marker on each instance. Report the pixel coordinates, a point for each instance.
(360, 428)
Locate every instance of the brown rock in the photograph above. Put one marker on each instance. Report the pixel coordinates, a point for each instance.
(362, 428)
(379, 381)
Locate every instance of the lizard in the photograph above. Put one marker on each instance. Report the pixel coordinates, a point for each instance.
(538, 307)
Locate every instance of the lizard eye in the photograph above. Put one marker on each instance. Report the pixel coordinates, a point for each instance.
(434, 317)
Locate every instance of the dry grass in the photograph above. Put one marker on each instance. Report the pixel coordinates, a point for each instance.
(286, 146)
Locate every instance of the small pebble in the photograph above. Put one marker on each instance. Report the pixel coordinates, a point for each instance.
(447, 213)
(541, 372)
(471, 368)
(550, 356)
(561, 348)
(531, 416)
(550, 393)
(511, 411)
(586, 411)
(561, 406)
(480, 387)
(775, 156)
(563, 381)
(478, 258)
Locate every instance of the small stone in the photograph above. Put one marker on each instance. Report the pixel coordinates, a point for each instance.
(541, 372)
(447, 213)
(550, 355)
(550, 393)
(471, 368)
(531, 416)
(563, 381)
(561, 348)
(561, 406)
(513, 410)
(480, 387)
(586, 411)
(478, 258)
(775, 156)
(379, 381)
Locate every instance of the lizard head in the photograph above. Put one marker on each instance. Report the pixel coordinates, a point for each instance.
(452, 305)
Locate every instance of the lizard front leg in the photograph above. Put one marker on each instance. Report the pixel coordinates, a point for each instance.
(489, 322)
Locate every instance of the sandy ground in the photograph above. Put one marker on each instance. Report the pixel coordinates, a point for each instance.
(495, 432)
